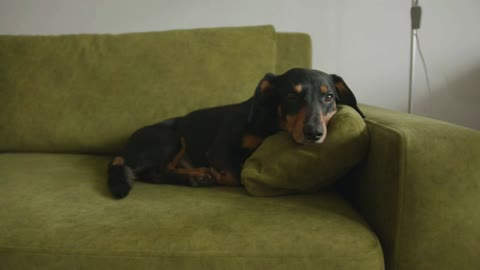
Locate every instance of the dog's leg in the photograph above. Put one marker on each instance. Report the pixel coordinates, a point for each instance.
(200, 177)
(179, 171)
(120, 177)
(197, 177)
(145, 157)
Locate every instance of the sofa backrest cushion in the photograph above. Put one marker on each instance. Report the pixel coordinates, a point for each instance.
(88, 93)
(293, 50)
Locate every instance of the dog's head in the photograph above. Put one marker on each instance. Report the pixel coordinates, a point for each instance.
(301, 102)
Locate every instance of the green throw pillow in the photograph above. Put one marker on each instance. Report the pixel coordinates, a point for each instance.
(280, 166)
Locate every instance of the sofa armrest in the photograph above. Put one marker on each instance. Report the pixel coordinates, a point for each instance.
(420, 190)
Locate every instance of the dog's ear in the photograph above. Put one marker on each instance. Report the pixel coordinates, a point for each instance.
(263, 102)
(344, 94)
(265, 85)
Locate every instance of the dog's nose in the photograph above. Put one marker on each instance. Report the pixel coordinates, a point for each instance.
(312, 134)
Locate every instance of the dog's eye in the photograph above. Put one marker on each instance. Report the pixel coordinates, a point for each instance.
(328, 98)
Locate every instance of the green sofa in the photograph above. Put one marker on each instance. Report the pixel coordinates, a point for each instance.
(68, 103)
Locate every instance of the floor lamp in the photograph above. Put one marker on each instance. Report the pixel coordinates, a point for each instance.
(415, 15)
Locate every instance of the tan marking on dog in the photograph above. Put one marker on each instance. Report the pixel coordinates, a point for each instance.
(192, 171)
(118, 161)
(325, 118)
(289, 123)
(251, 142)
(297, 132)
(298, 88)
(341, 87)
(293, 124)
(323, 89)
(173, 164)
(222, 178)
(264, 85)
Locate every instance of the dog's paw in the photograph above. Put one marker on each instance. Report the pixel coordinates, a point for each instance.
(119, 181)
(202, 181)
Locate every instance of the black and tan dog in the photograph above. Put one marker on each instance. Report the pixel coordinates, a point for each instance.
(208, 146)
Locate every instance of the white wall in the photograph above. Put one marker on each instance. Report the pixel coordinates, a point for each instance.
(367, 42)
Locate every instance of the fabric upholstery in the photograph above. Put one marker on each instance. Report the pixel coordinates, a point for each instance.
(280, 166)
(419, 188)
(57, 214)
(293, 50)
(88, 93)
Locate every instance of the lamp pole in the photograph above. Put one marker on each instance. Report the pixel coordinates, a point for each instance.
(415, 15)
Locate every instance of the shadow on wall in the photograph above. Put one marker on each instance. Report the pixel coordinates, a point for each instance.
(457, 100)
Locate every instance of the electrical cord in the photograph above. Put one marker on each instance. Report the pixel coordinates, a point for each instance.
(425, 69)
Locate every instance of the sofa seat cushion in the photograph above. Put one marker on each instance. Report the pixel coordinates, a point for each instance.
(57, 214)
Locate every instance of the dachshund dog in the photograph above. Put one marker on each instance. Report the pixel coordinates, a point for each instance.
(209, 146)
